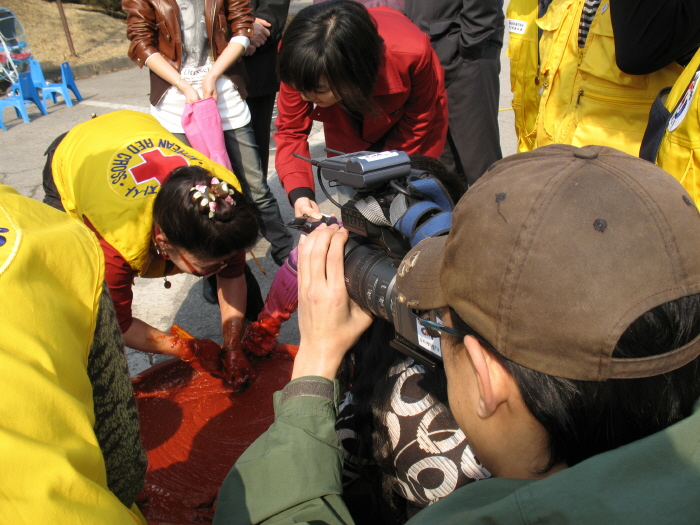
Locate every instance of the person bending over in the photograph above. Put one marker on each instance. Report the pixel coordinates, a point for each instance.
(370, 76)
(159, 208)
(566, 299)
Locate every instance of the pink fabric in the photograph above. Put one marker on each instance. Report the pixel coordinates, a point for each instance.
(282, 301)
(202, 125)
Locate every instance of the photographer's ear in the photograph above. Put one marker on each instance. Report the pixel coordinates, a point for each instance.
(493, 380)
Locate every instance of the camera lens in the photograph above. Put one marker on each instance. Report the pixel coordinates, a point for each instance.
(370, 277)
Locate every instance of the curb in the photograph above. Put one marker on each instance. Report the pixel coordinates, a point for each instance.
(90, 69)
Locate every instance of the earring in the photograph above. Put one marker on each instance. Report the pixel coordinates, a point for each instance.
(161, 252)
(167, 284)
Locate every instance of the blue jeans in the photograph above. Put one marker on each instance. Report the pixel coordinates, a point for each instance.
(245, 161)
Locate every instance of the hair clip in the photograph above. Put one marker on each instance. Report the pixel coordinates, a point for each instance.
(205, 197)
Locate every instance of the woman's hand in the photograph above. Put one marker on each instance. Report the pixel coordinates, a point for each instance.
(237, 369)
(209, 86)
(191, 94)
(329, 321)
(305, 207)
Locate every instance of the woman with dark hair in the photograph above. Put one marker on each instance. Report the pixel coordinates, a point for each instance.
(158, 208)
(370, 76)
(193, 49)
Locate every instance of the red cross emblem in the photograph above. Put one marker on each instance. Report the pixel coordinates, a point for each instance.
(157, 166)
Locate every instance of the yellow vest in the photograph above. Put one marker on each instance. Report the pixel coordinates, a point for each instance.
(51, 274)
(586, 99)
(109, 169)
(679, 152)
(521, 25)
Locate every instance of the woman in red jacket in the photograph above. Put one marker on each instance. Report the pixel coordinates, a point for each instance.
(370, 76)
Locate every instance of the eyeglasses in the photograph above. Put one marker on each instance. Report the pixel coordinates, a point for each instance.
(434, 328)
(206, 272)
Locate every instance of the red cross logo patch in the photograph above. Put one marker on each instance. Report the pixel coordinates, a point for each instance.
(137, 170)
(156, 166)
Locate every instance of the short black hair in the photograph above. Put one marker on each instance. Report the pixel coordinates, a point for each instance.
(338, 41)
(586, 418)
(232, 228)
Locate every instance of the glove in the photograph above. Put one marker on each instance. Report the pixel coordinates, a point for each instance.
(237, 369)
(203, 351)
(282, 301)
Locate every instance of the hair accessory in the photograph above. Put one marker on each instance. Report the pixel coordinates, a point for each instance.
(205, 196)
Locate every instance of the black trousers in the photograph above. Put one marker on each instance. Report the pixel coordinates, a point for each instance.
(473, 140)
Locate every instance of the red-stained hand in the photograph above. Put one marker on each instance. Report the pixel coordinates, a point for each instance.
(209, 356)
(261, 336)
(202, 351)
(237, 369)
(329, 321)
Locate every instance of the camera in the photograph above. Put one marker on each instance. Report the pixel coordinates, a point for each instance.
(392, 208)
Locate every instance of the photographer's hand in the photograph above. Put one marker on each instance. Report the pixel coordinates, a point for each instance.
(329, 321)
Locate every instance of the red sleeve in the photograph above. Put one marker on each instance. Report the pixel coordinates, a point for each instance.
(235, 266)
(423, 126)
(120, 279)
(293, 127)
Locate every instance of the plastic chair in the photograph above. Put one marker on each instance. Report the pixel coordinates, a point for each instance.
(48, 88)
(68, 80)
(28, 92)
(16, 101)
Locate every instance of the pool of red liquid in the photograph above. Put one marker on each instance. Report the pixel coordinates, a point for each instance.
(194, 428)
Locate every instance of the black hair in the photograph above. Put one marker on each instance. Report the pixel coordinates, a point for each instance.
(232, 228)
(338, 41)
(586, 418)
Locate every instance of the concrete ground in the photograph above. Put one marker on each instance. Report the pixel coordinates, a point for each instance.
(23, 147)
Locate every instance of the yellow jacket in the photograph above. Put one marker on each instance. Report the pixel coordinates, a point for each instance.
(51, 275)
(521, 17)
(109, 169)
(679, 152)
(585, 97)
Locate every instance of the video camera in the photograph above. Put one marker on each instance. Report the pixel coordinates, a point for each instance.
(386, 190)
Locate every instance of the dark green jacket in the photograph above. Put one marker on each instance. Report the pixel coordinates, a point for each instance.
(292, 474)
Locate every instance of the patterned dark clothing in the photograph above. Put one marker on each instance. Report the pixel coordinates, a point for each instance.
(430, 454)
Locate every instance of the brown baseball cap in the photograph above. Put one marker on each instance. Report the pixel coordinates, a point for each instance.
(554, 253)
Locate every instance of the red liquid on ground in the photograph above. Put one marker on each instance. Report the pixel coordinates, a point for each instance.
(194, 428)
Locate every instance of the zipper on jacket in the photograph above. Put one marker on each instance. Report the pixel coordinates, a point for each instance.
(620, 101)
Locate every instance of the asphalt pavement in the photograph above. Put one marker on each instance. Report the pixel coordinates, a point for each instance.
(22, 149)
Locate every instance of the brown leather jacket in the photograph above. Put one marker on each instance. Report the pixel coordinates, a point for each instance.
(153, 26)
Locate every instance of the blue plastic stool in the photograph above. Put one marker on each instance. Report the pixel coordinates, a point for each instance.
(16, 101)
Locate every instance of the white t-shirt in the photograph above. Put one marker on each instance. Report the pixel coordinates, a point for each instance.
(196, 61)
